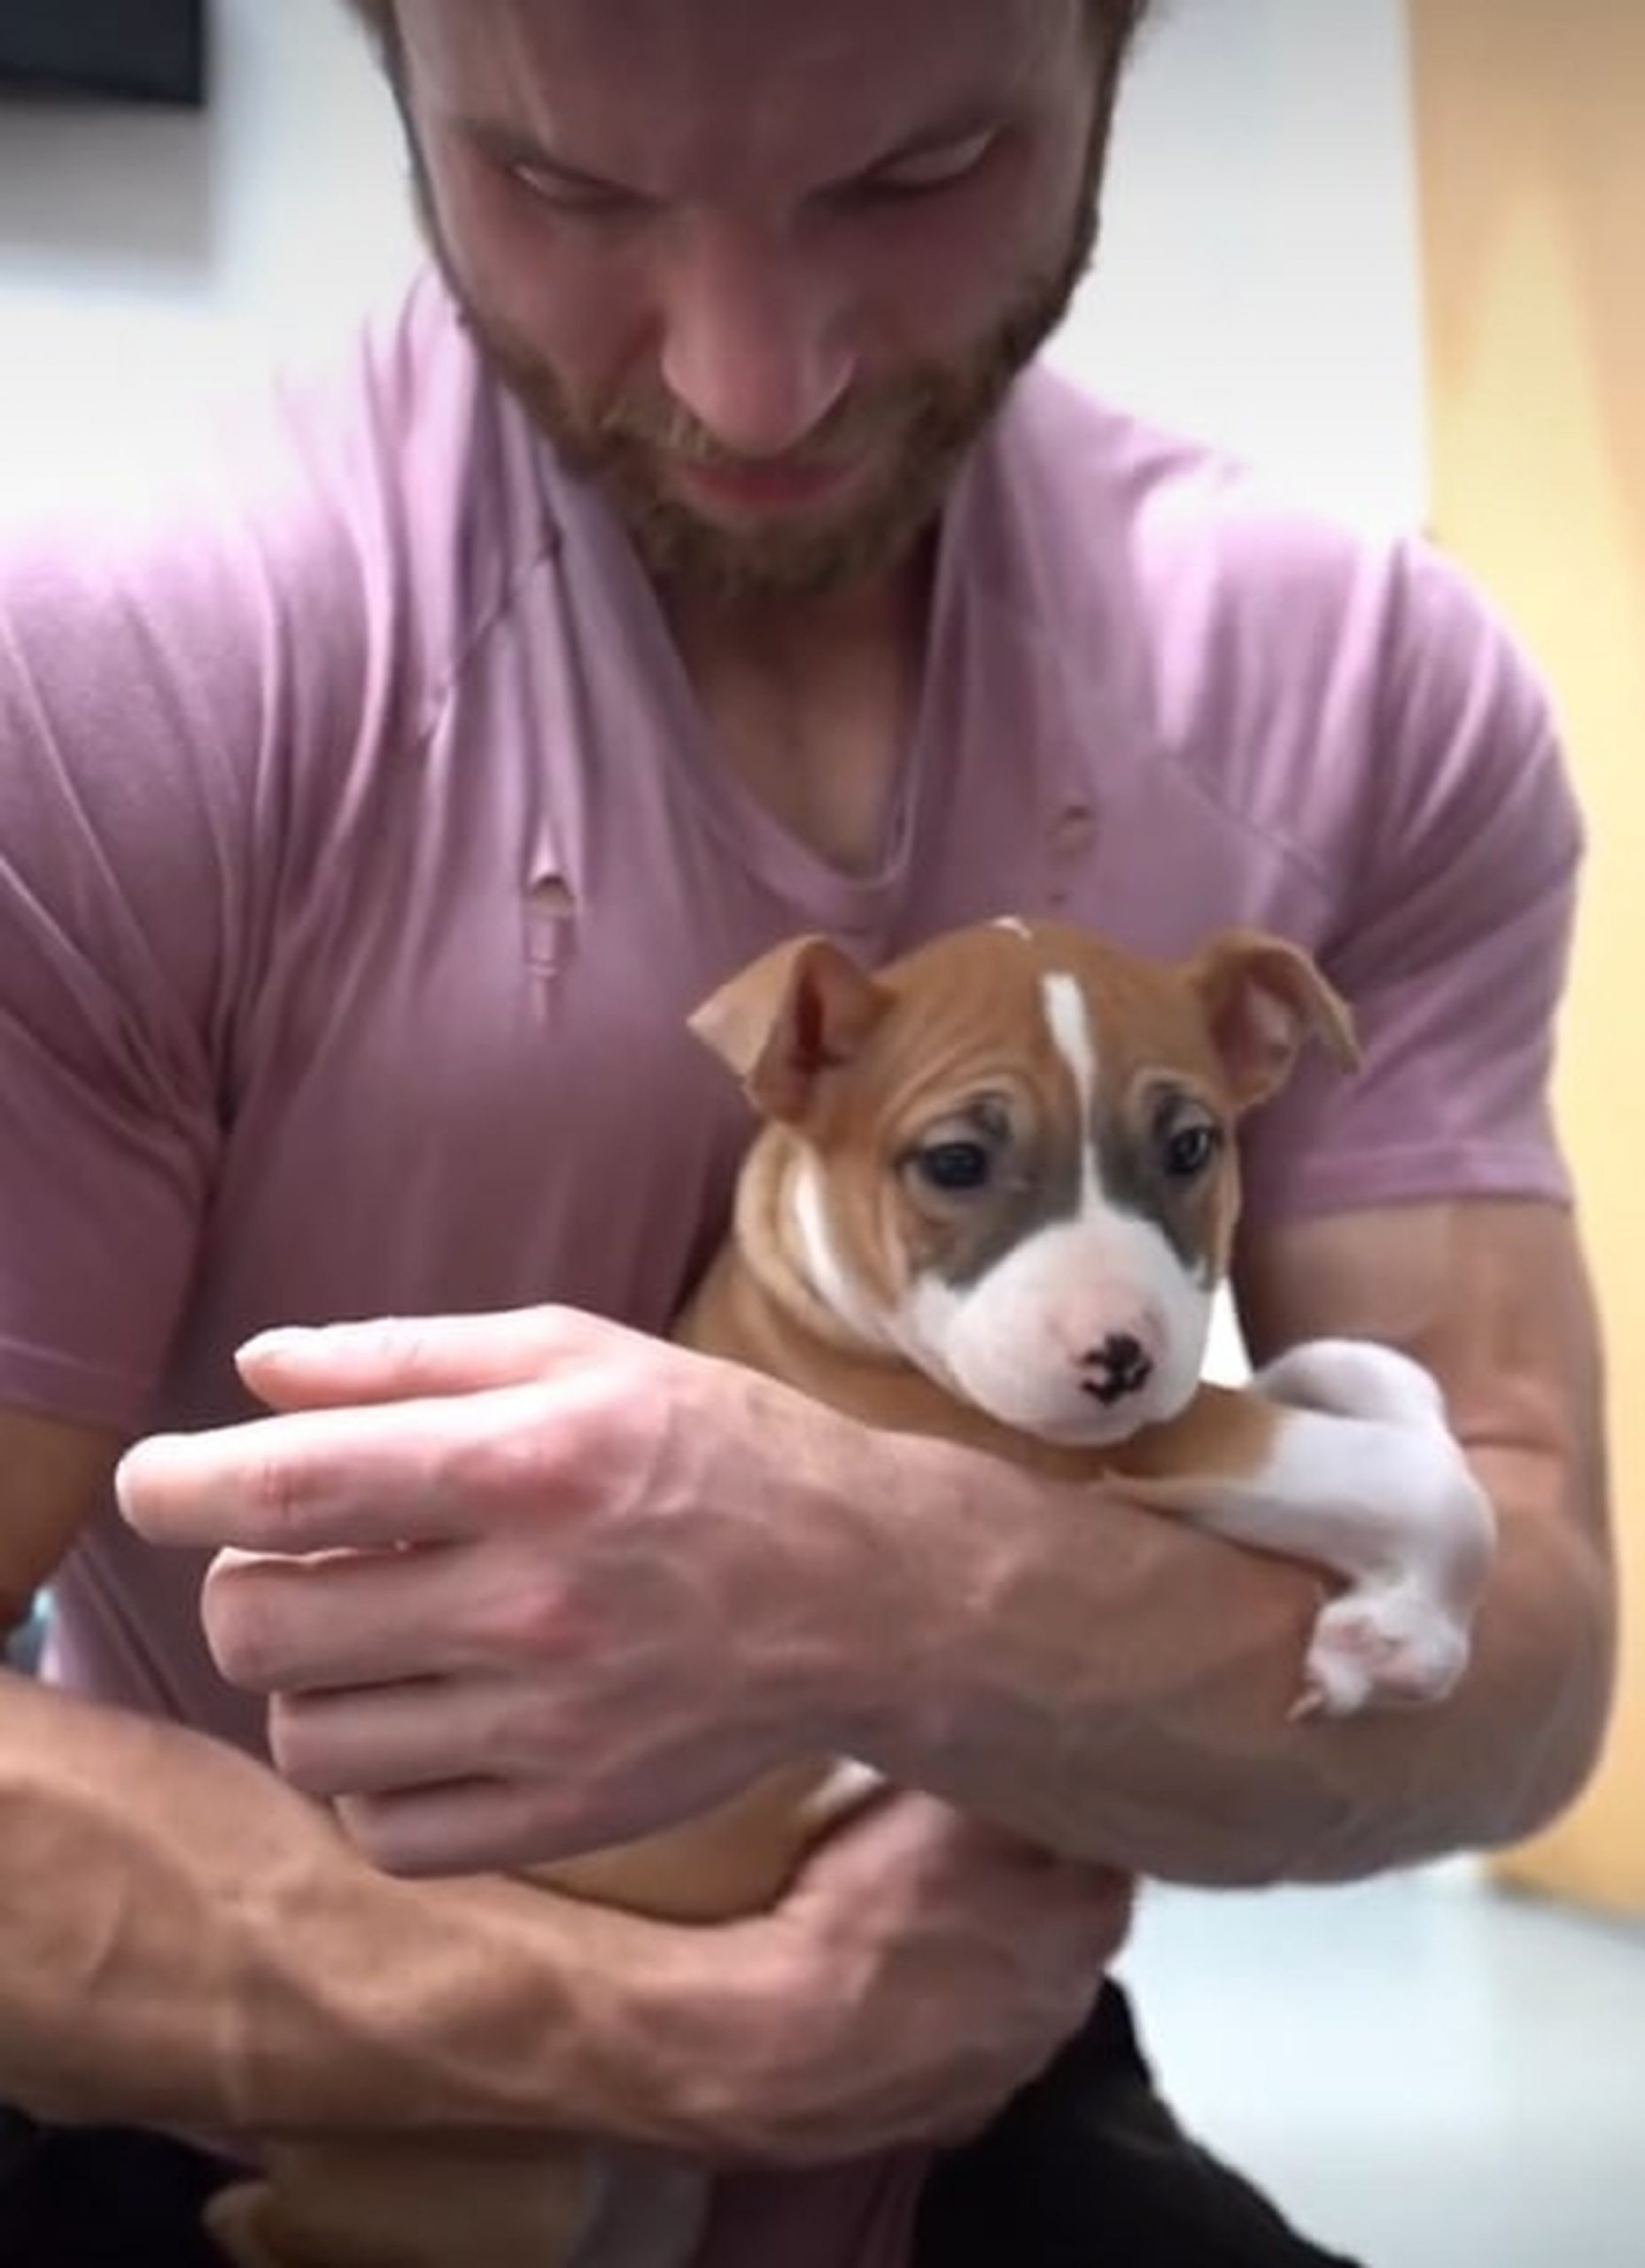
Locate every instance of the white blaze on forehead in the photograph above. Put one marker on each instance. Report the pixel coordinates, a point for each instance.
(1068, 1018)
(1012, 921)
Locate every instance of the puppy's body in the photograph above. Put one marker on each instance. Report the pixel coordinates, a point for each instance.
(992, 1201)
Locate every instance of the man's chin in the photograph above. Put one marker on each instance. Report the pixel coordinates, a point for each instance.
(775, 531)
(734, 553)
(779, 531)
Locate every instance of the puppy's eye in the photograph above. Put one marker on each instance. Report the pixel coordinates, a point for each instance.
(1190, 1149)
(958, 1169)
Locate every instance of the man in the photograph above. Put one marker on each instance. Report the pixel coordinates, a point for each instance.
(690, 563)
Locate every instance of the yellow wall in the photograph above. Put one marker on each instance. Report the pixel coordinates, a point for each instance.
(1530, 147)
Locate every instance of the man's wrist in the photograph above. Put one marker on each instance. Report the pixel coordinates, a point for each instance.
(977, 1628)
(678, 2023)
(895, 1597)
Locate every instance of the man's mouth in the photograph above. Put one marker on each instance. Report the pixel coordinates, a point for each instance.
(754, 487)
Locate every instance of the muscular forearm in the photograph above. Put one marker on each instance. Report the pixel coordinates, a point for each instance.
(186, 1942)
(1117, 1686)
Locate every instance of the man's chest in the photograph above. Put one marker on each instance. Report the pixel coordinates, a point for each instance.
(459, 1072)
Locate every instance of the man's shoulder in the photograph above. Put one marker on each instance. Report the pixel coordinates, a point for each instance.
(1203, 545)
(398, 448)
(349, 517)
(1187, 522)
(256, 610)
(1307, 668)
(382, 455)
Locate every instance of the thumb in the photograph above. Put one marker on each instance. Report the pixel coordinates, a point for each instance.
(403, 1358)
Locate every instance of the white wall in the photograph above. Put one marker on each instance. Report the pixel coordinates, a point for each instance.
(1258, 278)
(146, 254)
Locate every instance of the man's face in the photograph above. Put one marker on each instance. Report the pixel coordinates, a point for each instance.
(762, 268)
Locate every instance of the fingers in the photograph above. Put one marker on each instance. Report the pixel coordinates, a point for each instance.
(329, 1479)
(391, 1740)
(974, 1956)
(460, 1828)
(396, 1358)
(336, 1620)
(923, 1839)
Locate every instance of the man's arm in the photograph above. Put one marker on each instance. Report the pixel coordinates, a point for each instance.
(648, 1575)
(185, 1942)
(1131, 1696)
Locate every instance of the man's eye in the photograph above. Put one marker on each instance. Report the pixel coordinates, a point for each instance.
(591, 200)
(925, 171)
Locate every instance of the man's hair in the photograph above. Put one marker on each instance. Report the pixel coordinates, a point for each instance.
(1121, 19)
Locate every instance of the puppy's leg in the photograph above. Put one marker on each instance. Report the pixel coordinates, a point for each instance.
(430, 2201)
(1357, 1470)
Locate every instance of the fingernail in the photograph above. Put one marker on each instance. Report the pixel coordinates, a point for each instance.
(289, 1338)
(131, 1466)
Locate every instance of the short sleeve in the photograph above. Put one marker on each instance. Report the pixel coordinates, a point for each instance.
(206, 680)
(1454, 937)
(161, 655)
(117, 833)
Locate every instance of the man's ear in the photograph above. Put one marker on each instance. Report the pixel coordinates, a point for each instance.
(1263, 999)
(801, 1010)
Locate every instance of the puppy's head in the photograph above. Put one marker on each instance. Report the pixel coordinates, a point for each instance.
(1012, 1155)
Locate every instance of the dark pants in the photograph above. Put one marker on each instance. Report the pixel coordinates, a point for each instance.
(93, 2197)
(1085, 2169)
(1088, 2169)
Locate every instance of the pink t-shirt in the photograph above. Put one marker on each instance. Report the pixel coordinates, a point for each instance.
(362, 849)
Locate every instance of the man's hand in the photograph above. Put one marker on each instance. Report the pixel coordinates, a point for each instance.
(526, 1585)
(921, 1970)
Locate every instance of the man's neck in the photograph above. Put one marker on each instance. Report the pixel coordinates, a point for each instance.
(800, 635)
(813, 700)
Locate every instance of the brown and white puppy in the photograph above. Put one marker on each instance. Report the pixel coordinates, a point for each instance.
(993, 1199)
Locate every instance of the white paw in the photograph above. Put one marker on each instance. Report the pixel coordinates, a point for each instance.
(1353, 1378)
(1395, 1648)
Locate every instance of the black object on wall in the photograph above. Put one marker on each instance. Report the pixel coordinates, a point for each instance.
(134, 51)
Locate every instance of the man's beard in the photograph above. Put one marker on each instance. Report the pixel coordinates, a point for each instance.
(919, 426)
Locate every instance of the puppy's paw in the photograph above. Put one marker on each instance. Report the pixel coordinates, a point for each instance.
(1353, 1378)
(1381, 1649)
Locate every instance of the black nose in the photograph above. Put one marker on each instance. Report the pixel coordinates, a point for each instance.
(1121, 1366)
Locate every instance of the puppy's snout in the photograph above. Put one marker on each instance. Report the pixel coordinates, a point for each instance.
(1118, 1368)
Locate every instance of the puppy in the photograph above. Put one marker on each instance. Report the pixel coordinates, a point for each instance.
(993, 1197)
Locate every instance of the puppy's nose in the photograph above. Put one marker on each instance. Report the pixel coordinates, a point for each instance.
(1119, 1367)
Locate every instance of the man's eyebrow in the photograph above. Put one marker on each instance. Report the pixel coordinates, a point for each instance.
(965, 123)
(511, 146)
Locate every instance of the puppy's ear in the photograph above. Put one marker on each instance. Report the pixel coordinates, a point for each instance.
(1263, 999)
(798, 1012)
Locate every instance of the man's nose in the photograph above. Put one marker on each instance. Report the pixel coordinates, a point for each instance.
(754, 345)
